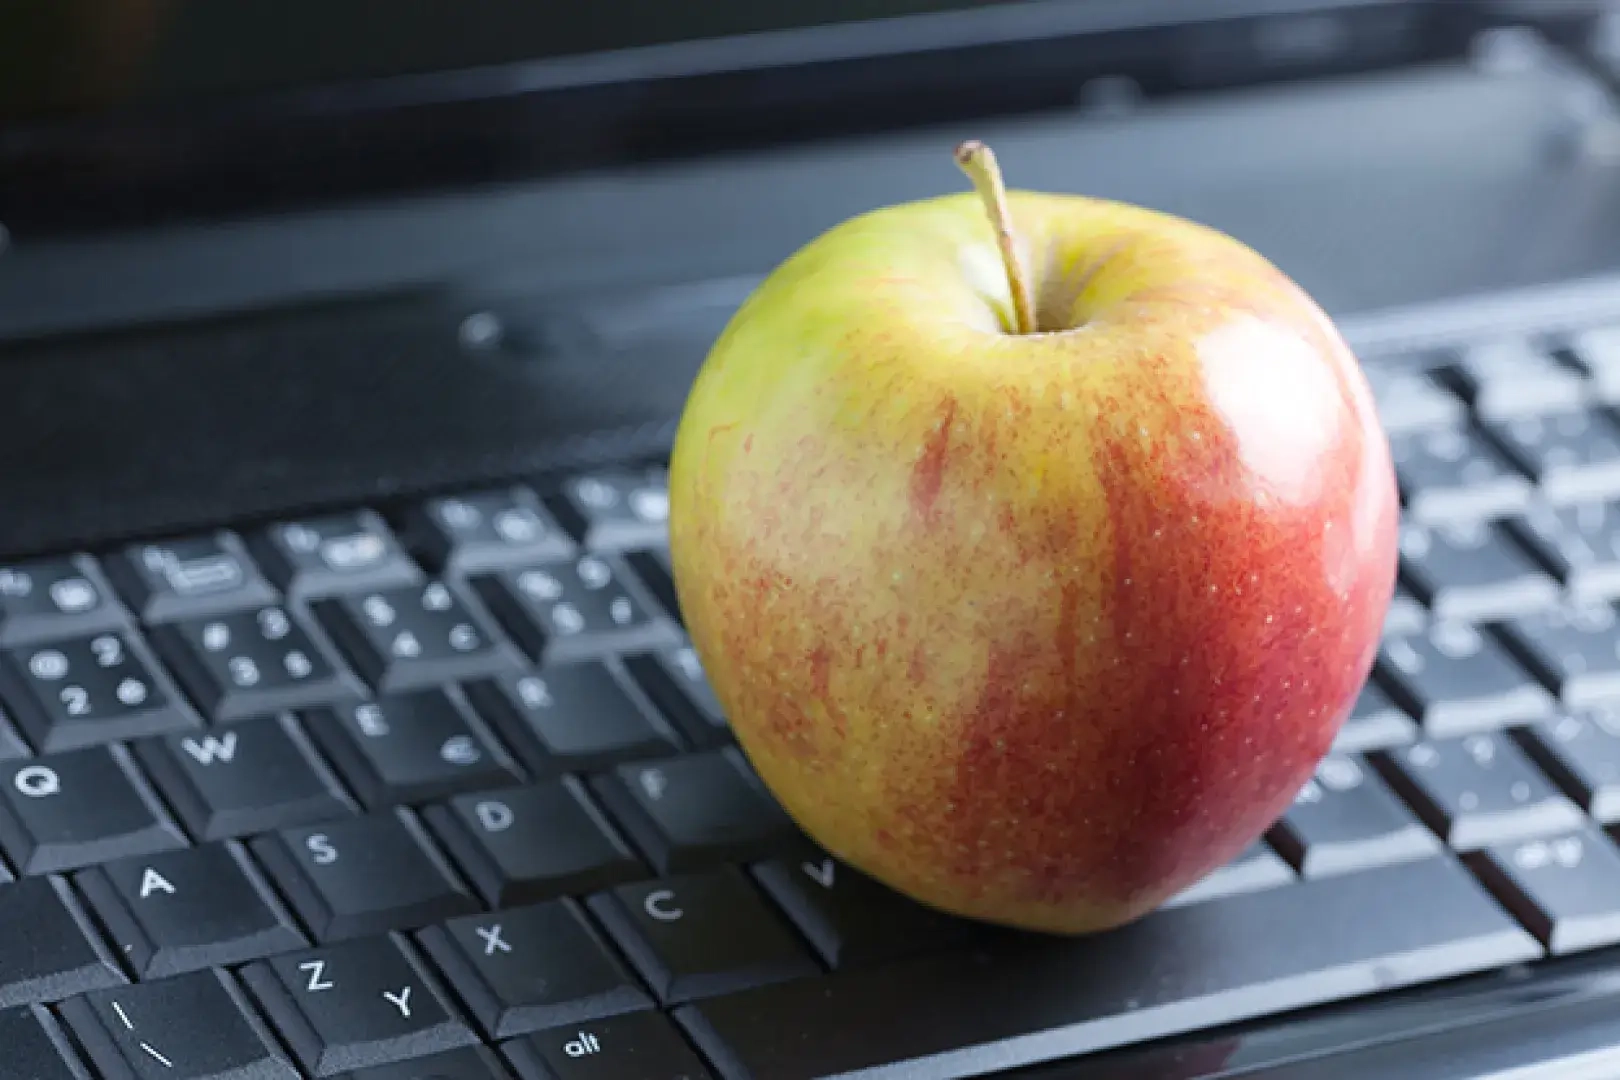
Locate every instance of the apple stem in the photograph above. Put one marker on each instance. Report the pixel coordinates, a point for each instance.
(978, 161)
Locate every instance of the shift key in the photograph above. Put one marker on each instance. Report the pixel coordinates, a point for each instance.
(1026, 1000)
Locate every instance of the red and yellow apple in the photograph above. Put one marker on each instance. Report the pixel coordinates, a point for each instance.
(1036, 567)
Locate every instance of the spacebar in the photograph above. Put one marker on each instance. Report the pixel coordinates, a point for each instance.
(1033, 999)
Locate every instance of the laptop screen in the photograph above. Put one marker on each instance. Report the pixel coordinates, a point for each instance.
(70, 57)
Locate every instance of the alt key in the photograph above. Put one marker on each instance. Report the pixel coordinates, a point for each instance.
(634, 1046)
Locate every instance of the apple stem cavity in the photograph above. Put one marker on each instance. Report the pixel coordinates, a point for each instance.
(978, 161)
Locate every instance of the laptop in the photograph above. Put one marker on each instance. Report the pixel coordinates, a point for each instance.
(349, 726)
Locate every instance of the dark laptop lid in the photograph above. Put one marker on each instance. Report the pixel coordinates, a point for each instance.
(119, 112)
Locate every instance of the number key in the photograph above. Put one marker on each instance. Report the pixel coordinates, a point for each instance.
(573, 610)
(411, 637)
(1451, 474)
(1580, 542)
(1472, 570)
(1571, 456)
(1573, 649)
(1454, 679)
(90, 690)
(59, 597)
(1477, 790)
(254, 663)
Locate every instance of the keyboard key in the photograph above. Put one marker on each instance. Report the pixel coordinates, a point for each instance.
(572, 717)
(652, 567)
(253, 663)
(1573, 649)
(357, 1005)
(469, 1063)
(1025, 1000)
(1411, 401)
(1571, 456)
(367, 875)
(1595, 351)
(71, 810)
(34, 1049)
(183, 911)
(673, 677)
(1406, 615)
(1451, 474)
(524, 844)
(1455, 680)
(1258, 867)
(852, 919)
(1565, 888)
(617, 510)
(1580, 543)
(351, 551)
(416, 636)
(573, 610)
(1515, 377)
(532, 968)
(247, 777)
(1375, 721)
(1581, 752)
(478, 532)
(691, 812)
(1477, 790)
(63, 955)
(60, 596)
(1473, 571)
(195, 1027)
(409, 748)
(85, 691)
(1345, 819)
(699, 935)
(189, 577)
(636, 1046)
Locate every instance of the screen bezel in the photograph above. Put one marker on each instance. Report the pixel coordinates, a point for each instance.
(361, 141)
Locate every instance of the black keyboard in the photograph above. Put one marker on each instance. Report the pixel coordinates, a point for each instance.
(440, 790)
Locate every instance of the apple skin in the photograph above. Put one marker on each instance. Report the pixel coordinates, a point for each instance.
(1035, 629)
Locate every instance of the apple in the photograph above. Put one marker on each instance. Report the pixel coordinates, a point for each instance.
(1035, 545)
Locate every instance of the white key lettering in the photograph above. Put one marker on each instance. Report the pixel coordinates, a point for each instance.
(494, 816)
(316, 970)
(321, 850)
(38, 781)
(582, 1045)
(212, 748)
(821, 873)
(400, 1001)
(493, 942)
(658, 904)
(152, 882)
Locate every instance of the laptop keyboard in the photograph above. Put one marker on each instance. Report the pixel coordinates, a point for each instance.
(440, 790)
